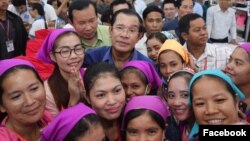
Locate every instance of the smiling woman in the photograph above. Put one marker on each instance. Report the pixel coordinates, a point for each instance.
(64, 87)
(106, 96)
(22, 102)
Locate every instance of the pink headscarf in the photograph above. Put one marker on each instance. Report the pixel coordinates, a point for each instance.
(48, 45)
(148, 70)
(246, 47)
(64, 122)
(148, 102)
(10, 63)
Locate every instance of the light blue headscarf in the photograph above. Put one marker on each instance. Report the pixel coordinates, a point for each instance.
(217, 73)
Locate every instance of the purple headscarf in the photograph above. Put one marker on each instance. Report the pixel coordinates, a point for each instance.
(148, 102)
(246, 47)
(10, 63)
(59, 128)
(48, 44)
(148, 70)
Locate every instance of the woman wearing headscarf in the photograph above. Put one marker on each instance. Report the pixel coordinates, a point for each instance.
(64, 88)
(144, 115)
(238, 68)
(140, 78)
(78, 122)
(22, 101)
(219, 104)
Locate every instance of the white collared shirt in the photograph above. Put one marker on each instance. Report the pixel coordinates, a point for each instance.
(219, 23)
(214, 57)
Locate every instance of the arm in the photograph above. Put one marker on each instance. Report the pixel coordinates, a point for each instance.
(233, 30)
(209, 21)
(59, 10)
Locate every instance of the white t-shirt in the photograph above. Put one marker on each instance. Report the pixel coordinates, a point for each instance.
(36, 25)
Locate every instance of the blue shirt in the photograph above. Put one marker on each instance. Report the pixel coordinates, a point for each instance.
(174, 25)
(103, 54)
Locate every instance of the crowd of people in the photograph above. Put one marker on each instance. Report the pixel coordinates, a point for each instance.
(121, 70)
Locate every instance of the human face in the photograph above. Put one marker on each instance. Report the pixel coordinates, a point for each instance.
(169, 11)
(177, 98)
(238, 67)
(85, 22)
(23, 98)
(153, 47)
(142, 128)
(132, 84)
(66, 63)
(153, 22)
(125, 33)
(197, 33)
(185, 8)
(21, 9)
(213, 103)
(107, 97)
(95, 133)
(4, 5)
(33, 13)
(169, 62)
(119, 7)
(224, 4)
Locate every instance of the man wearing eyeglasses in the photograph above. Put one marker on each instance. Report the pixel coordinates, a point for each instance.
(126, 30)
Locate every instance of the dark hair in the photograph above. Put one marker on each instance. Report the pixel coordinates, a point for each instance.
(118, 2)
(152, 8)
(168, 2)
(58, 85)
(139, 73)
(128, 12)
(106, 16)
(82, 126)
(138, 112)
(6, 74)
(80, 5)
(39, 8)
(18, 2)
(184, 23)
(183, 74)
(157, 35)
(96, 71)
(228, 87)
(178, 3)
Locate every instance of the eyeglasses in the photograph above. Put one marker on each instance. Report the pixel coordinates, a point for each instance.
(129, 30)
(66, 50)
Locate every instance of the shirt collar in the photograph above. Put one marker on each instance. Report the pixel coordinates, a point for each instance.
(207, 52)
(108, 56)
(217, 8)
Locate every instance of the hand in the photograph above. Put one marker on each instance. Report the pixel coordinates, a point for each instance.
(75, 87)
(233, 41)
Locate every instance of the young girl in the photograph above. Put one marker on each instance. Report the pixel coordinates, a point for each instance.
(219, 104)
(106, 96)
(76, 123)
(37, 12)
(139, 78)
(154, 43)
(182, 119)
(22, 101)
(145, 119)
(64, 87)
(238, 68)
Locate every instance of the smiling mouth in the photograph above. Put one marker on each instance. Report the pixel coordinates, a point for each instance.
(215, 122)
